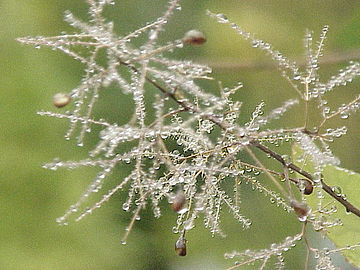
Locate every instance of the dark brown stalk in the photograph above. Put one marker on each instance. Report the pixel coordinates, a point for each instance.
(188, 106)
(349, 207)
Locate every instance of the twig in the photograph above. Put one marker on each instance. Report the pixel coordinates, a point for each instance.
(188, 106)
(348, 206)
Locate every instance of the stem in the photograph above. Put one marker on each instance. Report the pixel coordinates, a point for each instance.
(286, 174)
(339, 111)
(348, 206)
(306, 104)
(188, 106)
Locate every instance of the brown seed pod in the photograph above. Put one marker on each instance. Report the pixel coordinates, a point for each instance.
(61, 100)
(194, 37)
(308, 186)
(179, 201)
(300, 209)
(180, 246)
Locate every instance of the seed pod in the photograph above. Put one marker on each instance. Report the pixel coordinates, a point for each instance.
(61, 100)
(180, 246)
(194, 37)
(308, 186)
(179, 201)
(300, 209)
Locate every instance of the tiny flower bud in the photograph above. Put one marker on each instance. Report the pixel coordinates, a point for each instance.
(308, 186)
(300, 209)
(194, 37)
(61, 100)
(180, 246)
(179, 201)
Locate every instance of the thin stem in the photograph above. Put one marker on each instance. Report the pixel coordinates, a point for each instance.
(240, 264)
(306, 104)
(294, 86)
(157, 51)
(251, 153)
(296, 181)
(132, 222)
(339, 111)
(287, 180)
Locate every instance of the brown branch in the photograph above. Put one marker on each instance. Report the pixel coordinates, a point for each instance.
(348, 206)
(188, 106)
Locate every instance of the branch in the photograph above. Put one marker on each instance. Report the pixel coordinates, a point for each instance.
(348, 206)
(188, 106)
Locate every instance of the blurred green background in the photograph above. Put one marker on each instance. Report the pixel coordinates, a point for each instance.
(31, 198)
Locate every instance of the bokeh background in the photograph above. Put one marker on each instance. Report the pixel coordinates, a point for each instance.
(31, 197)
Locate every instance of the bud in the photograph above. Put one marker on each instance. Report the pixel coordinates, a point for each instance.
(300, 209)
(179, 201)
(194, 37)
(308, 186)
(180, 246)
(61, 100)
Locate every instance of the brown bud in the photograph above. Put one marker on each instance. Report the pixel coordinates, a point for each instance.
(308, 186)
(194, 37)
(180, 246)
(61, 100)
(179, 201)
(300, 209)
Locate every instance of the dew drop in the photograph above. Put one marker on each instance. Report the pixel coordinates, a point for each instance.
(175, 230)
(255, 44)
(337, 190)
(153, 35)
(126, 207)
(222, 18)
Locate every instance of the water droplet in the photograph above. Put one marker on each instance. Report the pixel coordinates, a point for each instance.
(189, 224)
(126, 207)
(222, 18)
(153, 35)
(255, 43)
(337, 190)
(183, 210)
